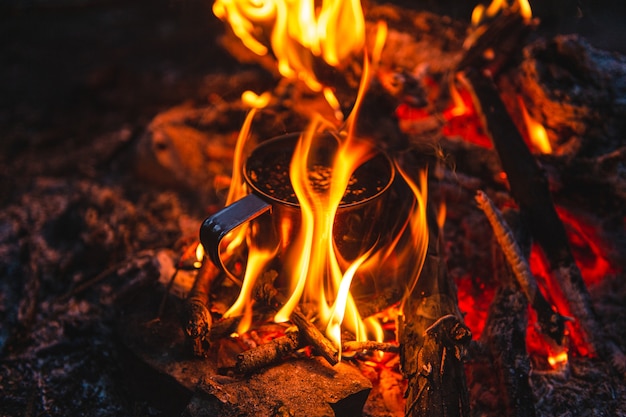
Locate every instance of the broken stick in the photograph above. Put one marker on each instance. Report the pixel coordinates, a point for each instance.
(311, 335)
(268, 353)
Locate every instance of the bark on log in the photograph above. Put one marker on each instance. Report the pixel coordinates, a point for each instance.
(433, 339)
(551, 322)
(529, 188)
(505, 332)
(197, 317)
(268, 353)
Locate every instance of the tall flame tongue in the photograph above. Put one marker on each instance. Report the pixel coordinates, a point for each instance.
(314, 260)
(301, 35)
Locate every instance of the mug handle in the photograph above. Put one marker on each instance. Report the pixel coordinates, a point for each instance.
(217, 226)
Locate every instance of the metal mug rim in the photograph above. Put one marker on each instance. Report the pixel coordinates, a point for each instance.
(290, 136)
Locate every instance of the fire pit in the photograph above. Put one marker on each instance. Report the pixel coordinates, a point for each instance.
(495, 288)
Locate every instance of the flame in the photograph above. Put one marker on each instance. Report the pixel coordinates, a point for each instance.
(536, 132)
(459, 108)
(237, 188)
(199, 256)
(257, 261)
(297, 32)
(314, 260)
(415, 252)
(558, 360)
(300, 35)
(481, 15)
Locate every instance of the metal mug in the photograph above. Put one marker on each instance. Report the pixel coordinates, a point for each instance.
(359, 224)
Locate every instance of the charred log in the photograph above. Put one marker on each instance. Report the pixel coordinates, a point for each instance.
(311, 335)
(551, 322)
(433, 339)
(197, 317)
(530, 190)
(504, 36)
(505, 333)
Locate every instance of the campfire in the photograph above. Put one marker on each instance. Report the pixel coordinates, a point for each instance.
(404, 215)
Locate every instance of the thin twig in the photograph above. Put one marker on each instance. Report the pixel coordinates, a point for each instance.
(354, 346)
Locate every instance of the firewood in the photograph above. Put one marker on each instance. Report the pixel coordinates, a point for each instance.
(433, 339)
(503, 37)
(266, 293)
(529, 188)
(505, 332)
(551, 322)
(268, 353)
(197, 317)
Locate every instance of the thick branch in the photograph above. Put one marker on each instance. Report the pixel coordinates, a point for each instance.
(433, 339)
(529, 188)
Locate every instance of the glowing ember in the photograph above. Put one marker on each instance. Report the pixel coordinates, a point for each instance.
(558, 360)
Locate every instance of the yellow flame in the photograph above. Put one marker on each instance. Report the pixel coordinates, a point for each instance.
(255, 101)
(297, 31)
(237, 188)
(558, 359)
(459, 107)
(257, 261)
(199, 256)
(418, 229)
(481, 15)
(338, 310)
(332, 100)
(536, 132)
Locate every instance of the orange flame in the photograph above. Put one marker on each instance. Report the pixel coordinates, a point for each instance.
(296, 32)
(558, 360)
(199, 256)
(481, 15)
(536, 132)
(415, 252)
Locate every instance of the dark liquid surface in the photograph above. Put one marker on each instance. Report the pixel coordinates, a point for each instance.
(271, 176)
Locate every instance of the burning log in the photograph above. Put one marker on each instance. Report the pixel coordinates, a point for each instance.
(268, 294)
(551, 322)
(504, 35)
(433, 338)
(505, 333)
(529, 188)
(197, 317)
(268, 353)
